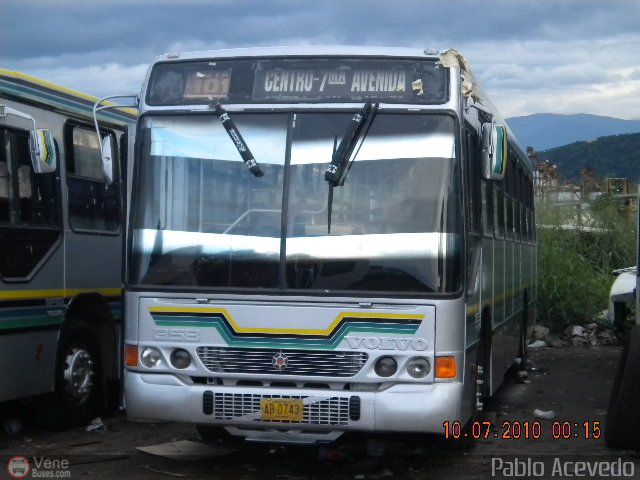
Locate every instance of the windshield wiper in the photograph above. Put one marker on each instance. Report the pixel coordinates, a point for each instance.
(238, 141)
(337, 170)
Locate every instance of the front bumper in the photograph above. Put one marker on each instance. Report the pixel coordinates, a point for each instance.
(328, 413)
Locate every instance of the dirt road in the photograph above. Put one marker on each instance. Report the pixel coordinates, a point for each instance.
(573, 382)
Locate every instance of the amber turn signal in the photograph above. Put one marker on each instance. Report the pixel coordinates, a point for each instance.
(445, 367)
(131, 355)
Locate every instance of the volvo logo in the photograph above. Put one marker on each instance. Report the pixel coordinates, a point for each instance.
(280, 361)
(387, 343)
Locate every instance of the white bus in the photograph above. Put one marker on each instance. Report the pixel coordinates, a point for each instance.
(60, 249)
(323, 240)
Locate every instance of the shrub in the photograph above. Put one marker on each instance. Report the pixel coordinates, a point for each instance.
(577, 250)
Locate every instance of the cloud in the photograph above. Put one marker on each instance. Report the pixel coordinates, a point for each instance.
(528, 55)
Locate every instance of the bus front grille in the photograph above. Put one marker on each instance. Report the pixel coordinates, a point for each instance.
(317, 411)
(282, 362)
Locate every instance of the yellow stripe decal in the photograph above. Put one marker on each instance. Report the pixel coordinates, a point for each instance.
(238, 329)
(26, 294)
(60, 88)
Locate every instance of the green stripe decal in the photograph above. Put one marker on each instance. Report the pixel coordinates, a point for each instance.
(12, 318)
(348, 326)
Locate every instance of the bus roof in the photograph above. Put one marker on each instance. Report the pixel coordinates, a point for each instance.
(21, 86)
(301, 51)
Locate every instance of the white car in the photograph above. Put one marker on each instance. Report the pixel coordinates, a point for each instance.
(623, 416)
(622, 293)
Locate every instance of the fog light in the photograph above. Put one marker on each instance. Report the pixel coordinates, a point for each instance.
(151, 357)
(180, 358)
(386, 366)
(418, 367)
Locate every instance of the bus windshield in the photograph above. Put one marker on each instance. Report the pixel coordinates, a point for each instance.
(199, 219)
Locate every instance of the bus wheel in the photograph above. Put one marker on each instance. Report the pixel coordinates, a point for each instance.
(522, 349)
(625, 397)
(77, 383)
(467, 440)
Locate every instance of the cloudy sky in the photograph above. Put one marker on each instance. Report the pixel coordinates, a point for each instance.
(531, 56)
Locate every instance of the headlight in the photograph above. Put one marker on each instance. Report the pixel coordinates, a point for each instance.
(386, 366)
(180, 358)
(418, 367)
(151, 357)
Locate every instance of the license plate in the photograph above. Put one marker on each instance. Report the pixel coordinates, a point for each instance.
(291, 409)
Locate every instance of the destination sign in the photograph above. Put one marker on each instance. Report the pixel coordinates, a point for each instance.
(280, 84)
(291, 80)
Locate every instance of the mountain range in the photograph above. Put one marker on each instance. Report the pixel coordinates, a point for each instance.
(548, 130)
(610, 156)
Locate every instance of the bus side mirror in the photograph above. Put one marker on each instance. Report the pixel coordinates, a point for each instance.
(494, 151)
(106, 155)
(43, 151)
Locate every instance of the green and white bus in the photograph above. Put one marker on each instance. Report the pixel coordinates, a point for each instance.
(323, 240)
(60, 249)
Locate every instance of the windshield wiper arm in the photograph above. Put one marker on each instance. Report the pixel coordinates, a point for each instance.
(238, 141)
(336, 171)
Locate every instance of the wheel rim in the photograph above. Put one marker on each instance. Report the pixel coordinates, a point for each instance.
(78, 374)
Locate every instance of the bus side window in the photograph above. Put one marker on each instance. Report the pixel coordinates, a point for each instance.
(25, 186)
(498, 210)
(94, 206)
(473, 183)
(124, 159)
(487, 208)
(4, 182)
(508, 197)
(530, 204)
(518, 207)
(29, 208)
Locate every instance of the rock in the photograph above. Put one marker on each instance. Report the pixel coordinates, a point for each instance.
(539, 332)
(96, 425)
(607, 337)
(579, 341)
(537, 344)
(521, 374)
(545, 415)
(577, 331)
(557, 343)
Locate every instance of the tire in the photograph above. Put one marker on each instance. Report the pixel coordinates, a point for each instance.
(466, 441)
(484, 357)
(522, 350)
(623, 415)
(78, 387)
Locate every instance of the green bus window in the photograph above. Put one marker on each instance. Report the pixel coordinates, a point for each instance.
(94, 206)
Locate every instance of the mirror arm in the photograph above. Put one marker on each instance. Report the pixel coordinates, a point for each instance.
(97, 107)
